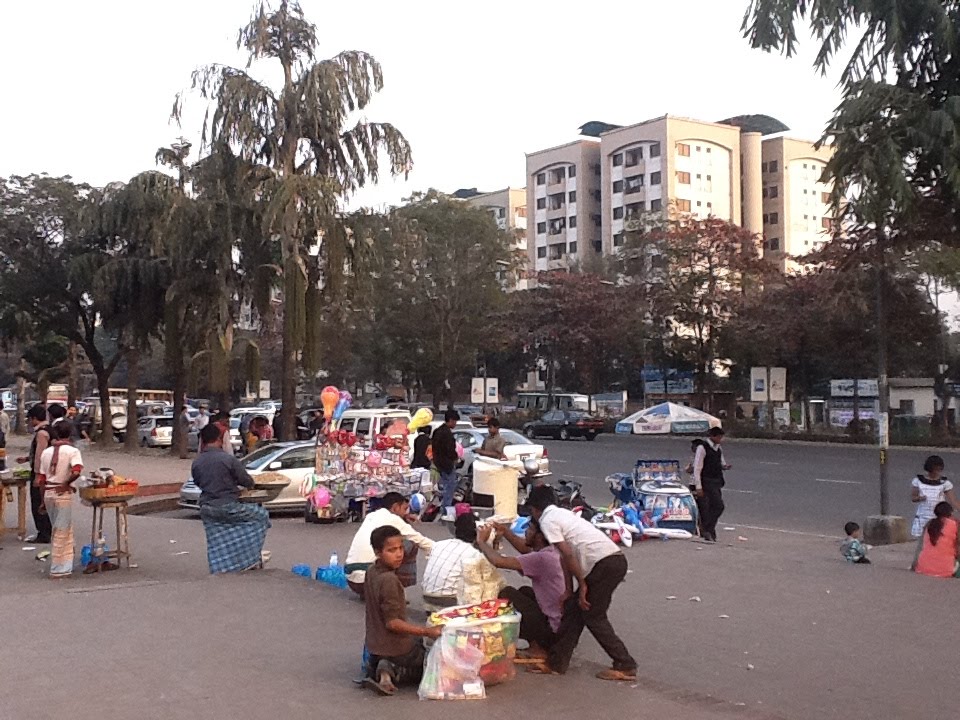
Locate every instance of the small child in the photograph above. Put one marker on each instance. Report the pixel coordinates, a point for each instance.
(396, 650)
(852, 548)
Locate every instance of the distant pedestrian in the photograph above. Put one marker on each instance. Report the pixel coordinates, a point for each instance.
(203, 419)
(316, 423)
(420, 446)
(77, 433)
(4, 431)
(853, 548)
(929, 489)
(708, 467)
(445, 456)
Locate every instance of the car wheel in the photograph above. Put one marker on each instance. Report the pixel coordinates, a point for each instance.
(564, 434)
(591, 436)
(530, 432)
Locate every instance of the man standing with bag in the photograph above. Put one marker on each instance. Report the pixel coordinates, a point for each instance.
(708, 467)
(445, 456)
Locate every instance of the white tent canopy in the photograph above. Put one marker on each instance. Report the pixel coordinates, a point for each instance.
(667, 418)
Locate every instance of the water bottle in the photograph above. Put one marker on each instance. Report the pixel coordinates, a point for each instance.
(86, 555)
(334, 559)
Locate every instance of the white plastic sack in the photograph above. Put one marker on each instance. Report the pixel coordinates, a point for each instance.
(452, 671)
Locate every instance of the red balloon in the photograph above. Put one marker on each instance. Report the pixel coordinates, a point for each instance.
(333, 437)
(351, 439)
(380, 443)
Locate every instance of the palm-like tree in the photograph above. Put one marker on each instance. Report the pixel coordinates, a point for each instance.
(302, 134)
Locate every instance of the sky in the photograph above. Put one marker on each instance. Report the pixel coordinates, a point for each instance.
(89, 86)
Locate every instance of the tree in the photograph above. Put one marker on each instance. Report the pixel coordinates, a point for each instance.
(694, 276)
(300, 133)
(48, 266)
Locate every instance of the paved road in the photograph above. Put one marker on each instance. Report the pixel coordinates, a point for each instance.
(790, 486)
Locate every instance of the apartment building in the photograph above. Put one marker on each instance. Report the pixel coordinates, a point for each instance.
(669, 163)
(797, 217)
(563, 205)
(509, 209)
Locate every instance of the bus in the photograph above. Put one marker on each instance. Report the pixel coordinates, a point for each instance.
(537, 401)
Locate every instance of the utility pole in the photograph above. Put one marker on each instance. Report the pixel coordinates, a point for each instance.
(883, 424)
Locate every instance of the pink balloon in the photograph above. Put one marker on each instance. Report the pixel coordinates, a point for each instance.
(460, 451)
(321, 497)
(373, 459)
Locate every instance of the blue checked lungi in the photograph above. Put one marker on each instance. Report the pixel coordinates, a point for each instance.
(235, 535)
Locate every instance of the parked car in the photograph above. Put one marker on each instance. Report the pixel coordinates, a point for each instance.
(564, 424)
(155, 431)
(293, 460)
(368, 423)
(517, 450)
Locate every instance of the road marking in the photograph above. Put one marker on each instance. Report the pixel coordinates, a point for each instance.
(745, 492)
(789, 532)
(840, 482)
(766, 462)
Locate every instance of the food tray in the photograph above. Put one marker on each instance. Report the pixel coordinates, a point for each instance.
(255, 496)
(118, 493)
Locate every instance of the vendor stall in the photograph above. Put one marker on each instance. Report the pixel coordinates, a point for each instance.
(667, 418)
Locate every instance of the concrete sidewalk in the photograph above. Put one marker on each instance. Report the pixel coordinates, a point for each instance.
(783, 629)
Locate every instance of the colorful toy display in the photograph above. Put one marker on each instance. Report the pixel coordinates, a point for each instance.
(493, 627)
(652, 501)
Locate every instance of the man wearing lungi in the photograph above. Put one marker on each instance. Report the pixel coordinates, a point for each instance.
(235, 531)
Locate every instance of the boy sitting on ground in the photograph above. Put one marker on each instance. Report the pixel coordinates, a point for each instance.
(396, 650)
(853, 548)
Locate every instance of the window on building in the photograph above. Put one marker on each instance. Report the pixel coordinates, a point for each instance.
(766, 219)
(633, 184)
(655, 178)
(698, 148)
(573, 248)
(683, 150)
(541, 178)
(764, 192)
(683, 206)
(774, 191)
(556, 201)
(522, 211)
(618, 160)
(501, 212)
(774, 218)
(618, 240)
(655, 150)
(541, 228)
(763, 167)
(572, 171)
(656, 205)
(557, 251)
(774, 244)
(597, 246)
(572, 221)
(634, 156)
(541, 252)
(595, 194)
(908, 407)
(709, 204)
(572, 196)
(634, 209)
(618, 186)
(826, 223)
(709, 178)
(708, 149)
(825, 197)
(804, 191)
(597, 220)
(558, 175)
(618, 213)
(773, 166)
(541, 203)
(699, 203)
(804, 166)
(558, 226)
(683, 178)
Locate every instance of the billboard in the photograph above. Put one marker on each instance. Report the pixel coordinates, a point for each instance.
(489, 387)
(844, 388)
(758, 384)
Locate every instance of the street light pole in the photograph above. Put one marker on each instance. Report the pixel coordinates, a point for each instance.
(883, 388)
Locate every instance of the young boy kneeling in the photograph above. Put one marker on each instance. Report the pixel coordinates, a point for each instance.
(396, 651)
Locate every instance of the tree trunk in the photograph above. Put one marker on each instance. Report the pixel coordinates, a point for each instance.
(21, 400)
(288, 391)
(72, 380)
(178, 447)
(133, 381)
(105, 438)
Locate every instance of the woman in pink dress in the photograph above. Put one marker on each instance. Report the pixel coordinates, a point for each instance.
(938, 556)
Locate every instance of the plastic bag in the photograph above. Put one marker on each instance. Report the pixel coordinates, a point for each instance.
(452, 671)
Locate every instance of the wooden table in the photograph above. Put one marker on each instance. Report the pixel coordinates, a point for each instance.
(122, 549)
(23, 491)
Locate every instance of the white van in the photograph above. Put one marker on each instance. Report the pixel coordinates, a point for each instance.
(368, 423)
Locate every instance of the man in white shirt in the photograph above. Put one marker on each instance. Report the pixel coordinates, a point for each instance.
(360, 557)
(708, 482)
(457, 573)
(599, 567)
(203, 419)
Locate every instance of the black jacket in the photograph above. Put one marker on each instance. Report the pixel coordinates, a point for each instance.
(444, 449)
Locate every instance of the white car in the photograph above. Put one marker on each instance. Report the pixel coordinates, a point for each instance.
(155, 431)
(293, 460)
(517, 449)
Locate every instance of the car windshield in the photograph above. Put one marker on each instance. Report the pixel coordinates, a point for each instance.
(513, 438)
(259, 457)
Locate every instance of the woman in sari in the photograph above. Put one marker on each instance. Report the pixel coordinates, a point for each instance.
(60, 466)
(235, 531)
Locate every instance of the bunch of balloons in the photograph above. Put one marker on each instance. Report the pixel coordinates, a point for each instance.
(421, 418)
(335, 402)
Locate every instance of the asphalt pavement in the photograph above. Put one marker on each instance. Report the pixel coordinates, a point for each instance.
(789, 486)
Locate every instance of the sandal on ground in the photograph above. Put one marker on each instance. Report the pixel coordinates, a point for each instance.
(541, 668)
(378, 688)
(617, 675)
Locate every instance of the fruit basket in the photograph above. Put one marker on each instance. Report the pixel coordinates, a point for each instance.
(110, 493)
(271, 483)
